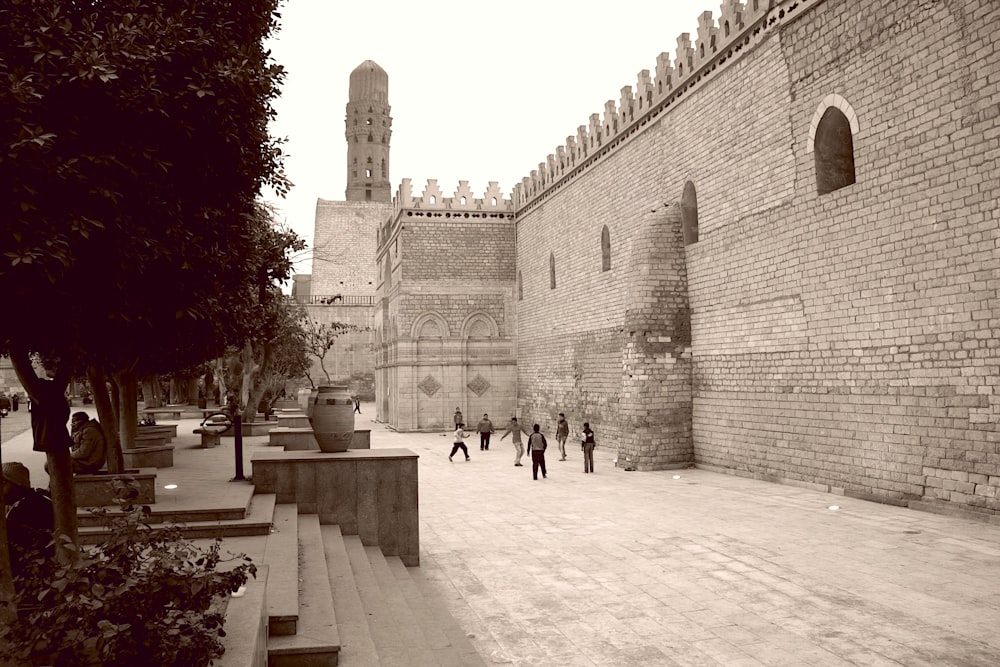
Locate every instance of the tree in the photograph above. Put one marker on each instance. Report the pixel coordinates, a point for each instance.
(134, 147)
(320, 337)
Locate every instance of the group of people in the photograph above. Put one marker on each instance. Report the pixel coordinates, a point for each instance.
(8, 403)
(537, 443)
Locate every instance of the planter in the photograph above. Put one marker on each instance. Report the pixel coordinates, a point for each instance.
(311, 402)
(333, 418)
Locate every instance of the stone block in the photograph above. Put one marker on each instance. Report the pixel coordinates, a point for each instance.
(369, 493)
(160, 456)
(293, 439)
(294, 420)
(96, 491)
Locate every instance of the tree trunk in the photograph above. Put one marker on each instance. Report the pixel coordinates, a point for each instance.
(152, 395)
(46, 412)
(249, 372)
(108, 417)
(8, 612)
(63, 504)
(128, 411)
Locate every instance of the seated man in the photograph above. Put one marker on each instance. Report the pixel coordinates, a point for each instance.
(89, 447)
(29, 518)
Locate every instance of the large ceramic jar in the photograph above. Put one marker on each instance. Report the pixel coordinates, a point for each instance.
(333, 418)
(311, 402)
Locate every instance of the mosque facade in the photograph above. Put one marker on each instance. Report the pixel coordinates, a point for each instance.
(776, 255)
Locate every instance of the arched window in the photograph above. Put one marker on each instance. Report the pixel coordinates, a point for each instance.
(689, 214)
(834, 152)
(369, 137)
(605, 249)
(462, 200)
(520, 294)
(831, 140)
(384, 174)
(552, 271)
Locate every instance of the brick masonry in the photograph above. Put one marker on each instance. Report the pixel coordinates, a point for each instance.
(847, 340)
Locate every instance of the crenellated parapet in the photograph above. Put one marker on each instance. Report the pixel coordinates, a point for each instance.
(742, 24)
(433, 199)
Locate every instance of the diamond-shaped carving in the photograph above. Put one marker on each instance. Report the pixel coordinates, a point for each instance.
(429, 385)
(478, 385)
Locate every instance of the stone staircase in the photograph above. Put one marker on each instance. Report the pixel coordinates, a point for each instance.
(320, 597)
(333, 601)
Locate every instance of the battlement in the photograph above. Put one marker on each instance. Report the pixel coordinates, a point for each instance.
(740, 26)
(433, 199)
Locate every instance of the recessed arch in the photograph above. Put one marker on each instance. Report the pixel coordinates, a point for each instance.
(689, 213)
(480, 325)
(552, 271)
(520, 293)
(430, 325)
(605, 249)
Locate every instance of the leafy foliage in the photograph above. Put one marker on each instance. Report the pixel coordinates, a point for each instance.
(134, 144)
(143, 597)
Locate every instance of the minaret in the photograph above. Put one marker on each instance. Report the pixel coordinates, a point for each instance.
(369, 128)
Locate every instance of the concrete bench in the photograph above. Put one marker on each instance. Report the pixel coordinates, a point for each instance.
(209, 438)
(169, 430)
(150, 439)
(154, 456)
(166, 413)
(296, 420)
(95, 490)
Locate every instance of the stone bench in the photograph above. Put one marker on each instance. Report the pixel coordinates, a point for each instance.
(96, 491)
(166, 413)
(209, 439)
(150, 439)
(296, 420)
(169, 430)
(158, 456)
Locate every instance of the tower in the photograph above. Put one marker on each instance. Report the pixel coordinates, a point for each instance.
(369, 128)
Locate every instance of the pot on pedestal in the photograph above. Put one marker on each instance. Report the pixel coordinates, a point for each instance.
(333, 418)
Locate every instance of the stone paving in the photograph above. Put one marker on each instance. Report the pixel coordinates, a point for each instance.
(692, 567)
(684, 567)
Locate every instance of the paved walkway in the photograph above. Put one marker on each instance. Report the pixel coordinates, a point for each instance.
(679, 568)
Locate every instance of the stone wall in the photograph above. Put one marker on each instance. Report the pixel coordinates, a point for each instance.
(847, 340)
(343, 245)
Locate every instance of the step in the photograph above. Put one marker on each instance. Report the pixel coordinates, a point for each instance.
(356, 644)
(408, 626)
(238, 506)
(439, 626)
(282, 551)
(439, 607)
(381, 622)
(246, 625)
(316, 642)
(256, 521)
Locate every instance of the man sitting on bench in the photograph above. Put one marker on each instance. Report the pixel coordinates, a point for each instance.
(89, 446)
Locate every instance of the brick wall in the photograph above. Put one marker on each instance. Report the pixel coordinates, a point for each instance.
(848, 340)
(343, 245)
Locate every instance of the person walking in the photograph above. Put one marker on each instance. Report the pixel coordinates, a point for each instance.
(14, 401)
(460, 436)
(459, 419)
(485, 427)
(562, 432)
(357, 405)
(537, 446)
(515, 430)
(587, 444)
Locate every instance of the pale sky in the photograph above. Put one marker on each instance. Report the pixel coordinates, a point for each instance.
(478, 91)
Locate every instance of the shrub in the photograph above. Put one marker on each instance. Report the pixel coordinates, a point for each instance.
(146, 596)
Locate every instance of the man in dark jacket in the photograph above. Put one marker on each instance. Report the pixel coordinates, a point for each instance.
(89, 446)
(537, 446)
(29, 518)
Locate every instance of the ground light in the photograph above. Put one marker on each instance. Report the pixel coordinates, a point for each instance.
(834, 507)
(170, 486)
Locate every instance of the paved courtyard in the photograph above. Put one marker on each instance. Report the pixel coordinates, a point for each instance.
(692, 567)
(681, 567)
